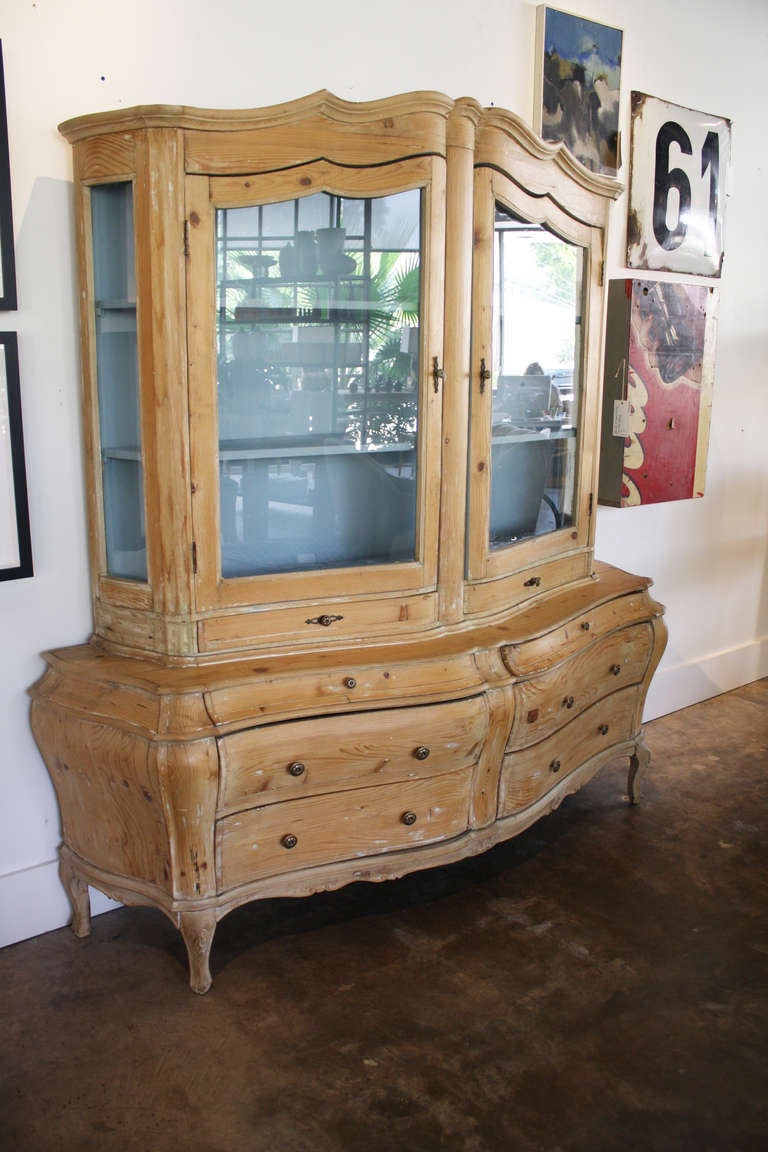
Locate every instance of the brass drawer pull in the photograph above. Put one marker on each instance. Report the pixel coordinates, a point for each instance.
(603, 729)
(408, 818)
(324, 621)
(568, 702)
(289, 840)
(533, 582)
(421, 752)
(616, 669)
(297, 768)
(350, 682)
(555, 766)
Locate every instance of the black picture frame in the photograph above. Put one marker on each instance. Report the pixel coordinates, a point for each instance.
(7, 256)
(15, 536)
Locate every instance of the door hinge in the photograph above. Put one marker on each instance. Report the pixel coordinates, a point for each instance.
(194, 558)
(601, 273)
(591, 503)
(186, 240)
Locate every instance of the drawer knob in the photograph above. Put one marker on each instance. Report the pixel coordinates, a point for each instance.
(568, 702)
(325, 620)
(297, 768)
(408, 818)
(586, 625)
(555, 766)
(289, 840)
(534, 582)
(421, 753)
(616, 669)
(350, 682)
(603, 729)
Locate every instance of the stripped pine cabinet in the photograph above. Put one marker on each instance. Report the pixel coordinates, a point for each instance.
(341, 408)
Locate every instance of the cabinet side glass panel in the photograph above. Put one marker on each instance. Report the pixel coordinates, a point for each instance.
(318, 306)
(536, 380)
(118, 380)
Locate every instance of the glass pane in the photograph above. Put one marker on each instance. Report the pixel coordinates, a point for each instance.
(536, 380)
(118, 380)
(318, 369)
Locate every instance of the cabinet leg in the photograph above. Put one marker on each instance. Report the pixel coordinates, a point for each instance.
(198, 928)
(638, 762)
(77, 891)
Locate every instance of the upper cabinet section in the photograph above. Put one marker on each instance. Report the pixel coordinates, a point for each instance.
(320, 466)
(537, 301)
(340, 368)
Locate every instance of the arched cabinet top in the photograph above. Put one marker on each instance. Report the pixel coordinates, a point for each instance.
(325, 126)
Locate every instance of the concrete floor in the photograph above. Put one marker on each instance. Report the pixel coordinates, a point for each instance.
(599, 983)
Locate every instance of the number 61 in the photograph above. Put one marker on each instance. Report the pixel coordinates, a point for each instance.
(671, 233)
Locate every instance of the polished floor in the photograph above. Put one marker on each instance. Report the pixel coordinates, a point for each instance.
(599, 983)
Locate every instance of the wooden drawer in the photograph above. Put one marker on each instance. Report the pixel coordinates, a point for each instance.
(348, 686)
(343, 826)
(307, 757)
(486, 596)
(552, 645)
(551, 700)
(529, 774)
(384, 615)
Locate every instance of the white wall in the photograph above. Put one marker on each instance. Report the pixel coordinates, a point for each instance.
(68, 57)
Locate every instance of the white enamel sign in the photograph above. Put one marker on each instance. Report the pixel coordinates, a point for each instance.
(678, 177)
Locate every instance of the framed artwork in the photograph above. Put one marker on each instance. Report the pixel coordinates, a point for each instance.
(657, 391)
(15, 540)
(7, 259)
(679, 163)
(578, 78)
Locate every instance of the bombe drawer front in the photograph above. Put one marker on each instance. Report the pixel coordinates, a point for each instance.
(342, 826)
(547, 702)
(307, 757)
(530, 773)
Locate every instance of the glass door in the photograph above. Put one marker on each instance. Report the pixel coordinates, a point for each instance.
(320, 328)
(529, 381)
(117, 375)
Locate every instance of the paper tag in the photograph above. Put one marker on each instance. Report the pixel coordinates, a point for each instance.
(621, 417)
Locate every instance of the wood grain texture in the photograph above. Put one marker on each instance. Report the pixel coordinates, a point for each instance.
(529, 774)
(553, 699)
(526, 583)
(364, 822)
(366, 748)
(213, 743)
(108, 793)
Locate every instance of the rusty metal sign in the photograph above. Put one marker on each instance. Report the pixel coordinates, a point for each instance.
(679, 166)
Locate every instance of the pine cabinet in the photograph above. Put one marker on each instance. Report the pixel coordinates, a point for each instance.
(341, 403)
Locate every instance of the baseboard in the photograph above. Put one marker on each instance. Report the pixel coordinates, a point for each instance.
(32, 901)
(684, 684)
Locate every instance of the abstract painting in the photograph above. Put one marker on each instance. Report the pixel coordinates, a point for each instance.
(578, 77)
(657, 391)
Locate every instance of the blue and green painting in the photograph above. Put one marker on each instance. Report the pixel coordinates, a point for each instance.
(581, 83)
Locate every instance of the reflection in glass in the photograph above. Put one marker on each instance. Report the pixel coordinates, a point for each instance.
(118, 380)
(536, 379)
(318, 315)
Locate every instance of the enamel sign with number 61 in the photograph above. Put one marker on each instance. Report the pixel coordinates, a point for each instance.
(678, 171)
